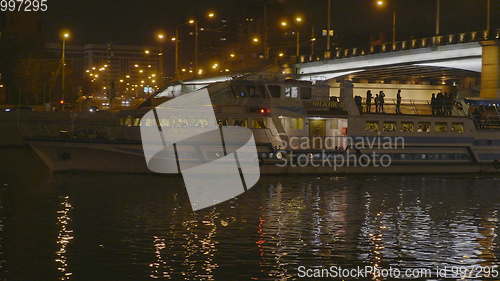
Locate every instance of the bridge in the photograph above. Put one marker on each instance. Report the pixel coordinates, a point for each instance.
(441, 59)
(419, 66)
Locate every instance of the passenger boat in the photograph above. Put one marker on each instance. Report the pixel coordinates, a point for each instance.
(298, 128)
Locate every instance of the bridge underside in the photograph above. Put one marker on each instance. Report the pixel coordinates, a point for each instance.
(408, 74)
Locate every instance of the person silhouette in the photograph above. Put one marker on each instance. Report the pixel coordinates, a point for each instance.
(369, 101)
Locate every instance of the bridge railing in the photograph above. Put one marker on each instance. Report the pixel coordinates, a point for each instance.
(426, 42)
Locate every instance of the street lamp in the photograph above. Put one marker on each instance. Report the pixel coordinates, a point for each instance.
(194, 22)
(160, 37)
(298, 21)
(65, 35)
(381, 3)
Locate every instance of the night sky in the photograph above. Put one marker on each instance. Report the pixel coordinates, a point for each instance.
(125, 21)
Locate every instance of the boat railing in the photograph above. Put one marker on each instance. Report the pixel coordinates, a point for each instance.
(412, 107)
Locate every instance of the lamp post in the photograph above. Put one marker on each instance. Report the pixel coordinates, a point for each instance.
(176, 40)
(193, 21)
(160, 37)
(196, 34)
(381, 3)
(65, 36)
(438, 17)
(328, 30)
(488, 15)
(298, 21)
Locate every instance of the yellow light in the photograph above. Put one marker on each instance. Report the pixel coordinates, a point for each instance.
(191, 21)
(96, 76)
(160, 36)
(104, 88)
(91, 74)
(173, 39)
(153, 75)
(141, 71)
(227, 70)
(154, 81)
(200, 71)
(215, 66)
(146, 52)
(65, 35)
(211, 15)
(190, 71)
(299, 19)
(87, 71)
(121, 81)
(127, 76)
(256, 40)
(149, 66)
(232, 55)
(136, 65)
(284, 24)
(105, 65)
(281, 54)
(380, 3)
(1, 85)
(183, 70)
(93, 68)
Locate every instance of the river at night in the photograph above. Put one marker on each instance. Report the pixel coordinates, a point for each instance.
(82, 226)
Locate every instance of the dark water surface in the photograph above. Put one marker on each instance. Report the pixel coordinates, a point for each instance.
(128, 227)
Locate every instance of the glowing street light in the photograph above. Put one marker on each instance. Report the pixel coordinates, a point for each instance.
(147, 52)
(298, 21)
(211, 14)
(256, 40)
(382, 3)
(160, 36)
(65, 36)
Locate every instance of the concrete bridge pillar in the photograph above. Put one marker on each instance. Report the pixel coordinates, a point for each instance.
(490, 76)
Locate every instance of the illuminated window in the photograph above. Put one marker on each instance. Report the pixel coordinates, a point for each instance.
(372, 126)
(457, 128)
(292, 92)
(441, 127)
(390, 127)
(407, 127)
(334, 124)
(424, 127)
(259, 123)
(296, 123)
(241, 123)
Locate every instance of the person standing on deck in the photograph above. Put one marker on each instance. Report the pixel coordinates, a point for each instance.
(433, 105)
(398, 102)
(439, 104)
(377, 103)
(369, 101)
(381, 100)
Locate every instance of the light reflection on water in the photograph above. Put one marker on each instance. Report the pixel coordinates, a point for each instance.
(138, 228)
(64, 237)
